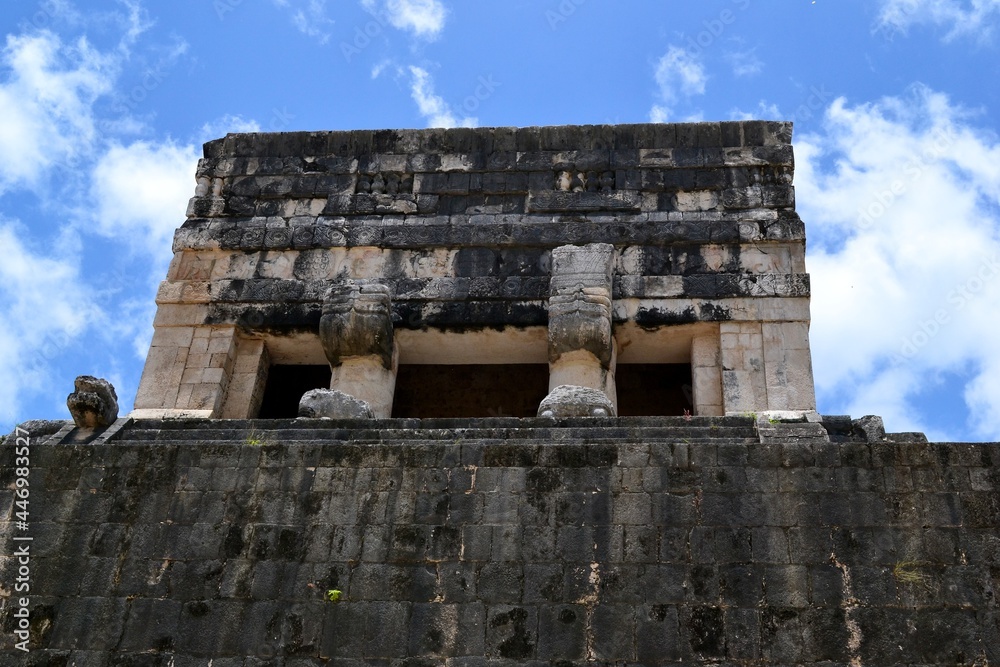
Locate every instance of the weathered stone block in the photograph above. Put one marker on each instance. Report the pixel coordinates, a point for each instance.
(94, 404)
(569, 401)
(332, 404)
(872, 428)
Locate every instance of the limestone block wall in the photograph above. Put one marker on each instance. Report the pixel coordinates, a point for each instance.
(706, 375)
(461, 224)
(192, 367)
(503, 542)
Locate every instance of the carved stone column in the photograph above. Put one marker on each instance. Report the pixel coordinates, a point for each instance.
(581, 347)
(356, 333)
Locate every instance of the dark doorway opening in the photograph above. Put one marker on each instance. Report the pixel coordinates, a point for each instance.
(285, 386)
(473, 390)
(653, 390)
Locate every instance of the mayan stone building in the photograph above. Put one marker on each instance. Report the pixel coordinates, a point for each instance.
(662, 265)
(488, 398)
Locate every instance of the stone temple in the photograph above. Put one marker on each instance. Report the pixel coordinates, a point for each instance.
(491, 397)
(450, 273)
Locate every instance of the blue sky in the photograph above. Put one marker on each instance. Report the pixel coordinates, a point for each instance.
(104, 105)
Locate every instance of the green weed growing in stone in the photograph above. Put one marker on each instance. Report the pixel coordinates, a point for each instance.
(333, 595)
(255, 439)
(908, 572)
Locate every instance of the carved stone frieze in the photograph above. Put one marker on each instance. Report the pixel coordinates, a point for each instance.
(573, 180)
(357, 322)
(387, 183)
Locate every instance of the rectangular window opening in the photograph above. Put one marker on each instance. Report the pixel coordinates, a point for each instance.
(285, 386)
(654, 390)
(469, 390)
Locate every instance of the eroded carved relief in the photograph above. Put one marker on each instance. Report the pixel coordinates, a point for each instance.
(769, 175)
(572, 180)
(387, 183)
(580, 301)
(332, 404)
(357, 322)
(94, 404)
(581, 347)
(571, 401)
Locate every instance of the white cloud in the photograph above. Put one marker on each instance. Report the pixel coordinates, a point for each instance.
(135, 23)
(380, 67)
(902, 202)
(432, 107)
(223, 126)
(56, 139)
(764, 111)
(141, 192)
(959, 17)
(46, 102)
(424, 18)
(745, 63)
(309, 17)
(45, 308)
(679, 75)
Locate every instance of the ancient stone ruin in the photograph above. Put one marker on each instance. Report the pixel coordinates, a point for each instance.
(491, 398)
(436, 273)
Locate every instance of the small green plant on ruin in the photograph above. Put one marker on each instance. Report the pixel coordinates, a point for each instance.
(909, 572)
(255, 439)
(333, 595)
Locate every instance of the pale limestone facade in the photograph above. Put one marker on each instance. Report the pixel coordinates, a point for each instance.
(584, 248)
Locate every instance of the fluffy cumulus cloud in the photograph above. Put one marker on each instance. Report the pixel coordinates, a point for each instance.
(134, 23)
(902, 201)
(45, 307)
(424, 18)
(47, 98)
(101, 200)
(679, 75)
(958, 17)
(432, 107)
(141, 191)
